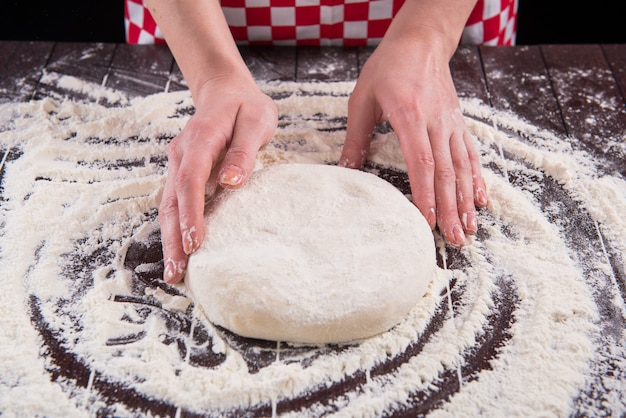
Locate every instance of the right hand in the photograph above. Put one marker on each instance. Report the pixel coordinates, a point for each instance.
(407, 82)
(232, 116)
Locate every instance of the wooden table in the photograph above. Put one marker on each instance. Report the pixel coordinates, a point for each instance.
(555, 87)
(559, 88)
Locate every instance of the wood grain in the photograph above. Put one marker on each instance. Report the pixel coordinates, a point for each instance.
(590, 101)
(21, 67)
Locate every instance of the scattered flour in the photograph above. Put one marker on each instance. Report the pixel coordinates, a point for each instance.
(78, 86)
(81, 177)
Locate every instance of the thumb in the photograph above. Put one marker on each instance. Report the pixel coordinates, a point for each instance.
(250, 135)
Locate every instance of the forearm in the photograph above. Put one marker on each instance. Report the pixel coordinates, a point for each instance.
(439, 22)
(199, 37)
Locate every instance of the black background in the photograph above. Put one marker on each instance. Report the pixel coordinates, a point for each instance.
(63, 20)
(539, 22)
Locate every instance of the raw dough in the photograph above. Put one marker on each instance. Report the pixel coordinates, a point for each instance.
(311, 253)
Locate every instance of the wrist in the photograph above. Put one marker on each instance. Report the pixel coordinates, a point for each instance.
(436, 25)
(430, 42)
(221, 74)
(200, 40)
(215, 84)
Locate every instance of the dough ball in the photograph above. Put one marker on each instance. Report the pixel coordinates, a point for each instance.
(311, 253)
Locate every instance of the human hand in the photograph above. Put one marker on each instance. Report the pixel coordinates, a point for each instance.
(233, 119)
(407, 82)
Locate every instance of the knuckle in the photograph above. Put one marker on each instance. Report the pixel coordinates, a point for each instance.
(474, 158)
(447, 217)
(205, 131)
(184, 178)
(272, 108)
(237, 153)
(407, 111)
(424, 198)
(173, 149)
(445, 174)
(355, 99)
(462, 165)
(426, 160)
(168, 208)
(267, 119)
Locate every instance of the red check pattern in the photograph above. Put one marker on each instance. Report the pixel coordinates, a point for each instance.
(492, 22)
(309, 22)
(140, 25)
(326, 22)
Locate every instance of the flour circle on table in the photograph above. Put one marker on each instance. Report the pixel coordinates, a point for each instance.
(311, 253)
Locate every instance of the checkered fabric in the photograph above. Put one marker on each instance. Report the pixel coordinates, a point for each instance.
(492, 22)
(140, 25)
(326, 22)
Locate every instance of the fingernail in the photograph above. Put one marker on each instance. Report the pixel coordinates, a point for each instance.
(173, 270)
(459, 236)
(432, 218)
(470, 222)
(481, 197)
(168, 273)
(231, 176)
(190, 243)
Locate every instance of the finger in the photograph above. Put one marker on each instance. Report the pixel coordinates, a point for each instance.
(252, 132)
(174, 258)
(362, 116)
(464, 183)
(418, 156)
(480, 189)
(197, 153)
(446, 186)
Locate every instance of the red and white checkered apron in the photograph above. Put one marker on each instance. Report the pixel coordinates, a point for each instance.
(326, 22)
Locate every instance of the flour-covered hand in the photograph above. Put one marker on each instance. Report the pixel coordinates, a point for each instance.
(233, 120)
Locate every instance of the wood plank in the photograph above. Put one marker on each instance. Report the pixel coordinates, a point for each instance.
(270, 63)
(21, 66)
(327, 64)
(468, 75)
(616, 56)
(177, 80)
(518, 81)
(139, 70)
(85, 61)
(591, 102)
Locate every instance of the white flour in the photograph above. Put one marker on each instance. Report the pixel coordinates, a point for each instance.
(89, 175)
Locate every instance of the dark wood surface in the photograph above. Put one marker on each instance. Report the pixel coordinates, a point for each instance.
(557, 87)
